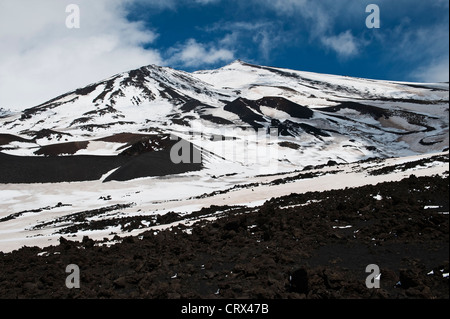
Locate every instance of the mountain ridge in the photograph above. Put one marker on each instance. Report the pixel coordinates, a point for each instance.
(334, 117)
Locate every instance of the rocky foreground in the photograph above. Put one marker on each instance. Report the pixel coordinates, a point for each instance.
(313, 245)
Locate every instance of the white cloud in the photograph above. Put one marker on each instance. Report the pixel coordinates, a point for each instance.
(319, 19)
(243, 36)
(286, 6)
(344, 44)
(425, 47)
(157, 4)
(40, 58)
(318, 16)
(207, 1)
(172, 4)
(436, 71)
(194, 54)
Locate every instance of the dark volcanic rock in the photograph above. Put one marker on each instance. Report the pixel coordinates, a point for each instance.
(244, 109)
(293, 109)
(249, 111)
(32, 169)
(148, 157)
(8, 138)
(283, 249)
(68, 148)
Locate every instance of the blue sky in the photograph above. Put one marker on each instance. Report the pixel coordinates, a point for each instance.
(306, 35)
(39, 55)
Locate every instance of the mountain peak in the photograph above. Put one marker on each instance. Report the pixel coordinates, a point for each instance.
(238, 61)
(235, 63)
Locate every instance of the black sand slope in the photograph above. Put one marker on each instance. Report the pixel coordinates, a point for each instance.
(33, 169)
(8, 138)
(56, 169)
(151, 164)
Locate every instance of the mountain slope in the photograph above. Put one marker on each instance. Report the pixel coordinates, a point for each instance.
(99, 161)
(317, 117)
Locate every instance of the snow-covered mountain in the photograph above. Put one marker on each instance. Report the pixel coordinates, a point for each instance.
(318, 117)
(98, 161)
